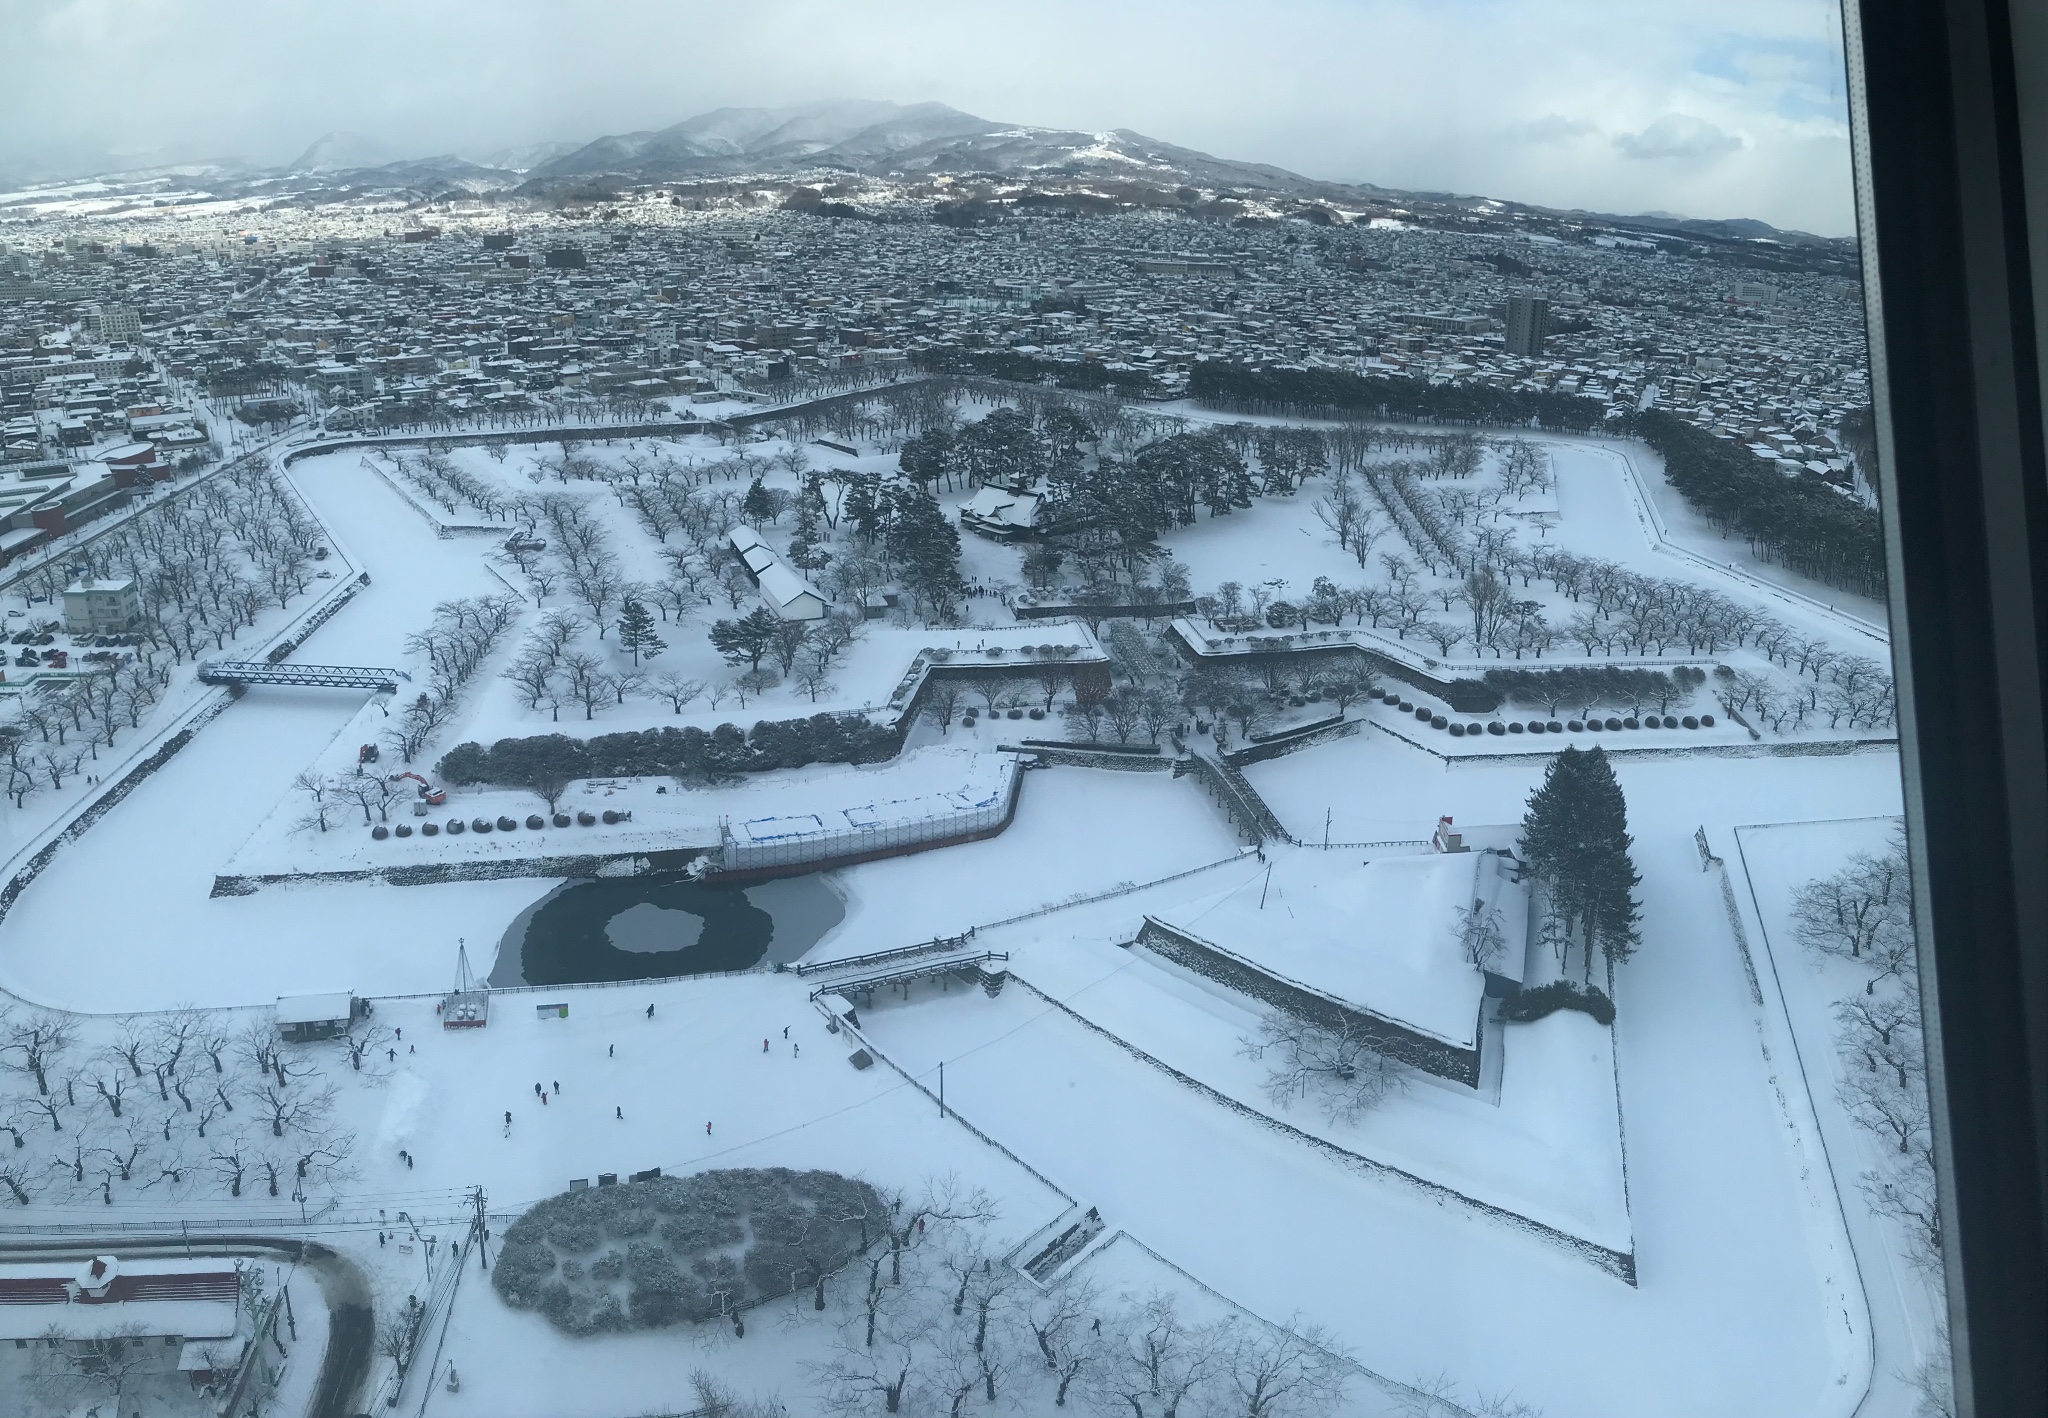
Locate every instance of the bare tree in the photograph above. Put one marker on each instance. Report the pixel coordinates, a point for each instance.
(678, 690)
(1064, 1323)
(232, 1157)
(1342, 1066)
(1481, 936)
(292, 1107)
(1269, 1371)
(586, 679)
(35, 1043)
(1153, 1362)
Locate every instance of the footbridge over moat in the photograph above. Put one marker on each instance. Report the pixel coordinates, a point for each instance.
(248, 672)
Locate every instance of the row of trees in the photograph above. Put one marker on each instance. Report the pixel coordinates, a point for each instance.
(454, 645)
(206, 559)
(1800, 522)
(692, 755)
(170, 1105)
(1863, 914)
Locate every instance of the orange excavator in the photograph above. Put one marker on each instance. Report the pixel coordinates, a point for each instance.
(429, 794)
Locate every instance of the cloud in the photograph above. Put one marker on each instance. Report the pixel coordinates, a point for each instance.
(1680, 136)
(1556, 128)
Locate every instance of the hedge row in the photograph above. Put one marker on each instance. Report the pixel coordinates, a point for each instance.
(724, 752)
(1548, 999)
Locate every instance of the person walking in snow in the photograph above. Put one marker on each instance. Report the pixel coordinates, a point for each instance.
(707, 1129)
(764, 1046)
(650, 1011)
(796, 1051)
(619, 1112)
(785, 1031)
(508, 1123)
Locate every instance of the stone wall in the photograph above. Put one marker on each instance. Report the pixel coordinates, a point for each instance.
(1395, 1040)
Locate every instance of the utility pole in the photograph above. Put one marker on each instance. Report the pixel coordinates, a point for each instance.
(480, 1227)
(942, 1088)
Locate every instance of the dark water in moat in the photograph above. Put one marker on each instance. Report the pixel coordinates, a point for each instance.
(639, 928)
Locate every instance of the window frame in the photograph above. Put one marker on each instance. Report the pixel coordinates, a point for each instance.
(1948, 103)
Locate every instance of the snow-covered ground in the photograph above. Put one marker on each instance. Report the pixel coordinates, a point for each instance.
(1771, 863)
(1675, 1135)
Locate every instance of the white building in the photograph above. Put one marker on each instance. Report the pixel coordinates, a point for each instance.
(119, 324)
(183, 1314)
(101, 607)
(782, 589)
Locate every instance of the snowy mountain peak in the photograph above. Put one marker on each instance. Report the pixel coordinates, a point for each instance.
(340, 152)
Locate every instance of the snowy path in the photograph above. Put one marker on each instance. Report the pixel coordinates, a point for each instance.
(157, 938)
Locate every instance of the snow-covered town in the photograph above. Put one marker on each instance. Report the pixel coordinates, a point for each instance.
(943, 791)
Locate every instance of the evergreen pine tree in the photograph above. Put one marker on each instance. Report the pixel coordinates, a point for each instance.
(925, 544)
(804, 553)
(1575, 838)
(636, 632)
(755, 506)
(862, 506)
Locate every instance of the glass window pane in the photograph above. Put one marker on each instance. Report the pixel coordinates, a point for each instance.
(1175, 714)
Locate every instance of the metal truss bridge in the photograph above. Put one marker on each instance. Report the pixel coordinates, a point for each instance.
(244, 672)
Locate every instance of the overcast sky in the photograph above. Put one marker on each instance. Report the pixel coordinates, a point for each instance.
(1722, 108)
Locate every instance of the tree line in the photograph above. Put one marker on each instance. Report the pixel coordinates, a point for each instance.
(692, 755)
(1801, 522)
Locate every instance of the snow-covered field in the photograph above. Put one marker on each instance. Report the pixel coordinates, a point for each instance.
(1680, 1136)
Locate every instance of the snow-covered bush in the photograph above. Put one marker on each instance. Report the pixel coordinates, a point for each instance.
(676, 1250)
(1545, 1000)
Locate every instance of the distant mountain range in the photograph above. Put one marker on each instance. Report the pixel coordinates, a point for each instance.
(917, 141)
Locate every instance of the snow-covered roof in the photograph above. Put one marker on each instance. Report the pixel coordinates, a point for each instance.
(995, 504)
(1383, 936)
(191, 1299)
(788, 594)
(315, 1009)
